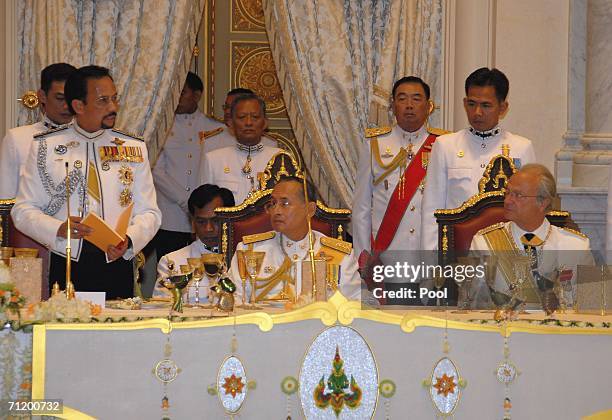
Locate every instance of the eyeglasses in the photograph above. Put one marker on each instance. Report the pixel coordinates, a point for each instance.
(104, 101)
(282, 203)
(517, 195)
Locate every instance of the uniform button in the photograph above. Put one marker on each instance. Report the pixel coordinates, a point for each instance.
(412, 230)
(189, 155)
(482, 165)
(412, 208)
(187, 189)
(189, 172)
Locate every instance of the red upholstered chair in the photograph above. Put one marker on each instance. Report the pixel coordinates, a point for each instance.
(457, 227)
(250, 217)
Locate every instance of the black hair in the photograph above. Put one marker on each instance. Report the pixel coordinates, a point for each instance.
(206, 193)
(411, 79)
(240, 91)
(248, 97)
(194, 82)
(57, 72)
(76, 84)
(489, 77)
(310, 189)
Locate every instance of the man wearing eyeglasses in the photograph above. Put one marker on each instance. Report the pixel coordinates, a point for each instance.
(108, 172)
(554, 252)
(287, 246)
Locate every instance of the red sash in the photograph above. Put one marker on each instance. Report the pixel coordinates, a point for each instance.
(413, 175)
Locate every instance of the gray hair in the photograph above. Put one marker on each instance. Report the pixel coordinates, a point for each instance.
(247, 97)
(547, 187)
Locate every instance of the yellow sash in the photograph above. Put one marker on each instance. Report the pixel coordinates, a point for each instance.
(502, 245)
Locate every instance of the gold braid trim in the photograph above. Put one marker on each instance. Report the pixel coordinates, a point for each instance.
(575, 232)
(268, 283)
(397, 160)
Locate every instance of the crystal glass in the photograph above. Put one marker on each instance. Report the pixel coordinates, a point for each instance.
(253, 260)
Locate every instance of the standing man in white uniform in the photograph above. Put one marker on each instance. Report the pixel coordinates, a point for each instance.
(237, 167)
(391, 174)
(176, 170)
(108, 171)
(15, 147)
(458, 160)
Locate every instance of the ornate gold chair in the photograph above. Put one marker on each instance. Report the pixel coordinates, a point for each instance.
(457, 227)
(250, 217)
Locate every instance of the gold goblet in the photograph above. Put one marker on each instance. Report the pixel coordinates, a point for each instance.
(253, 260)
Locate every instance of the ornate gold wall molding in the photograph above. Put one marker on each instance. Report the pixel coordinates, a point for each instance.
(247, 16)
(253, 68)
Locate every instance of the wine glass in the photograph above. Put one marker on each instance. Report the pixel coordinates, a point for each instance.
(253, 261)
(438, 282)
(212, 263)
(198, 272)
(465, 285)
(242, 271)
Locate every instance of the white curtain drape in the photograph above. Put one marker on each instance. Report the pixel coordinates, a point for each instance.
(337, 61)
(147, 44)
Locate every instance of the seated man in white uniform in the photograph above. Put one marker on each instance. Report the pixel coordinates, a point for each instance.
(554, 251)
(288, 244)
(202, 204)
(237, 167)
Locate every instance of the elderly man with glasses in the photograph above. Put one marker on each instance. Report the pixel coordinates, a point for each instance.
(554, 252)
(107, 173)
(287, 246)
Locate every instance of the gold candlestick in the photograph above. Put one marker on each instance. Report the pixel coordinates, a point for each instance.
(69, 286)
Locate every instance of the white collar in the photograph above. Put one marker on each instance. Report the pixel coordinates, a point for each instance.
(411, 135)
(87, 134)
(541, 232)
(50, 124)
(202, 248)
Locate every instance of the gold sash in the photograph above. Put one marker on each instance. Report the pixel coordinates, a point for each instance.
(502, 245)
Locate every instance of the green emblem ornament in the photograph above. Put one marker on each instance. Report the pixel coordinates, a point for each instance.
(337, 383)
(387, 388)
(289, 385)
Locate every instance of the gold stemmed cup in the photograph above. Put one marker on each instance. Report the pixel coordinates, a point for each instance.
(212, 263)
(176, 284)
(253, 260)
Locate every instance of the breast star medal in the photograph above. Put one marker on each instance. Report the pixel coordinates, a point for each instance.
(126, 175)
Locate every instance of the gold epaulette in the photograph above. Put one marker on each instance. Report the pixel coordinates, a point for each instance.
(337, 244)
(575, 232)
(52, 130)
(125, 133)
(211, 133)
(437, 131)
(376, 131)
(214, 117)
(258, 237)
(491, 228)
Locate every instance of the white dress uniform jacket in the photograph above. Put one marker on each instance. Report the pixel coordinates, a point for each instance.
(370, 202)
(223, 167)
(179, 257)
(350, 282)
(458, 161)
(176, 170)
(561, 248)
(14, 151)
(40, 206)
